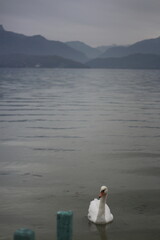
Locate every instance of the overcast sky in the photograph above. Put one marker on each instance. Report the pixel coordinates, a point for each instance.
(95, 22)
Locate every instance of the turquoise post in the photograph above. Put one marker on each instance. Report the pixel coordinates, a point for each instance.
(24, 234)
(64, 225)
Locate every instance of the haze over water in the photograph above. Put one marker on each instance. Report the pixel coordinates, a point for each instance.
(66, 132)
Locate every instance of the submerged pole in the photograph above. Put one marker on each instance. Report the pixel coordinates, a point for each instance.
(24, 234)
(64, 225)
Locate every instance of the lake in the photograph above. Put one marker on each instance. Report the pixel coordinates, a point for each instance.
(66, 132)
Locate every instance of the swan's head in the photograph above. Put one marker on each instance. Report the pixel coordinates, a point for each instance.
(103, 191)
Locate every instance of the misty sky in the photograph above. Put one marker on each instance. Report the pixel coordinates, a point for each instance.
(95, 22)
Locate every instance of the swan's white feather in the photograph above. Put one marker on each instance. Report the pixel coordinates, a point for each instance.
(93, 212)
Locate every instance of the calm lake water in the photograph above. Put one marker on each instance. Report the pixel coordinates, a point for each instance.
(66, 132)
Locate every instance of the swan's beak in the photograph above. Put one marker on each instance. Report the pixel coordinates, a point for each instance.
(101, 194)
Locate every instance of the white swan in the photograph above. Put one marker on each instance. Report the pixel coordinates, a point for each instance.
(99, 211)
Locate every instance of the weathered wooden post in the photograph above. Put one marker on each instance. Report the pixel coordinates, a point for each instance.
(64, 225)
(24, 234)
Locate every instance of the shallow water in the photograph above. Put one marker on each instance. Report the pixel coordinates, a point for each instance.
(66, 132)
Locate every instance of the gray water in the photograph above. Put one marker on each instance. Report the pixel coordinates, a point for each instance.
(66, 132)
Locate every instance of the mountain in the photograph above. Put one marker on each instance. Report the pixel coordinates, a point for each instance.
(149, 46)
(89, 51)
(103, 49)
(135, 61)
(1, 28)
(11, 42)
(18, 50)
(22, 60)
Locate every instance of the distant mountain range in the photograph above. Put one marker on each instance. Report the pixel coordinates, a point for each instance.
(135, 61)
(24, 61)
(89, 51)
(18, 50)
(11, 43)
(149, 46)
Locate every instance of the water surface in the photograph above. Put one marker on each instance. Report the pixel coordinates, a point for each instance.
(66, 132)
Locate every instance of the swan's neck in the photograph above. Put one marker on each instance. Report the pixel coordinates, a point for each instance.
(101, 210)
